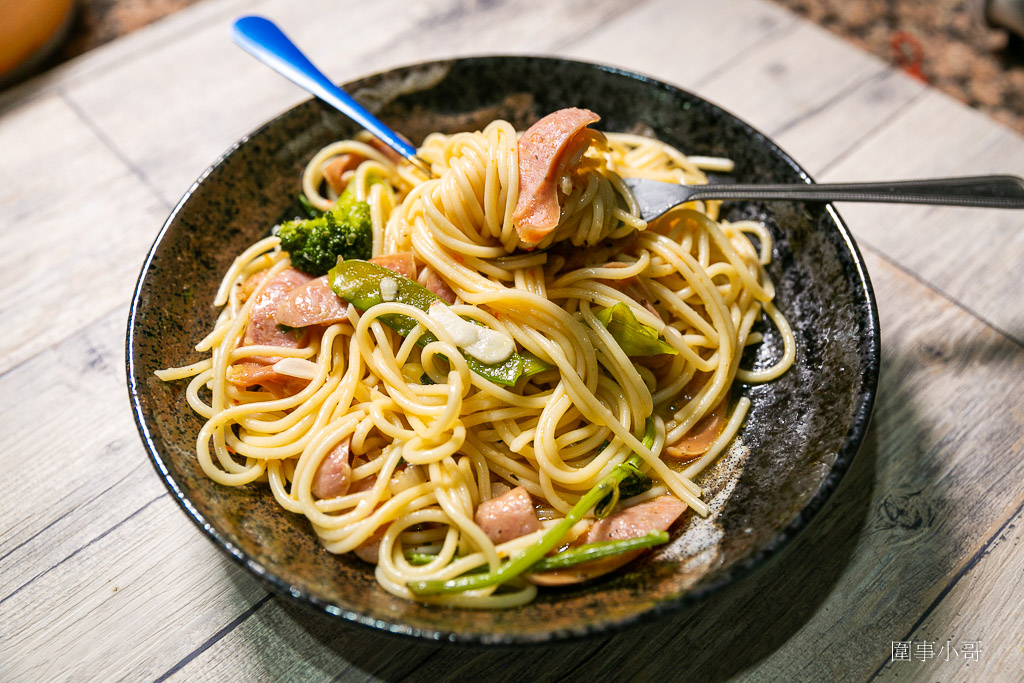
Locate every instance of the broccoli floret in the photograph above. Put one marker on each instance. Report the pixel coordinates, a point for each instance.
(315, 245)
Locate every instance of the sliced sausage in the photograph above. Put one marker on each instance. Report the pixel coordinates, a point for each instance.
(334, 475)
(507, 516)
(369, 551)
(262, 329)
(402, 263)
(247, 374)
(436, 284)
(636, 521)
(313, 303)
(249, 285)
(382, 147)
(701, 436)
(543, 150)
(334, 170)
(633, 522)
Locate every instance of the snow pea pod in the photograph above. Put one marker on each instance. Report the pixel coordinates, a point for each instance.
(635, 338)
(359, 283)
(523, 562)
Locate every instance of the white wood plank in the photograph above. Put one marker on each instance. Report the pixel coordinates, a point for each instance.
(210, 93)
(128, 606)
(920, 501)
(72, 524)
(281, 641)
(983, 607)
(815, 94)
(842, 124)
(682, 41)
(77, 224)
(790, 76)
(127, 47)
(71, 483)
(970, 254)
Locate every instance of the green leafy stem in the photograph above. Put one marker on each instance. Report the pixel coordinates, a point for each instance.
(526, 561)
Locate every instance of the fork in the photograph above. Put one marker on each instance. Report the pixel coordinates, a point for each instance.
(992, 191)
(265, 41)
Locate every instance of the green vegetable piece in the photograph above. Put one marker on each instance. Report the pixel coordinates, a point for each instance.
(296, 332)
(634, 483)
(572, 556)
(358, 282)
(599, 551)
(372, 178)
(315, 245)
(308, 207)
(532, 555)
(635, 338)
(420, 558)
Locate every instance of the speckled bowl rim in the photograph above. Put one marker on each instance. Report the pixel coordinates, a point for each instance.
(869, 345)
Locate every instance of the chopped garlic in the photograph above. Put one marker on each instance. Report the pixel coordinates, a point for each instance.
(486, 345)
(491, 346)
(297, 367)
(388, 288)
(463, 332)
(406, 479)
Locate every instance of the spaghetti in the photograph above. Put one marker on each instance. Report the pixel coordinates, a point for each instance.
(417, 439)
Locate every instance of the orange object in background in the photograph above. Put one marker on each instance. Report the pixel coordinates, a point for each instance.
(29, 31)
(909, 54)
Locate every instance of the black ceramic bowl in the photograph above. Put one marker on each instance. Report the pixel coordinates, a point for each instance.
(799, 438)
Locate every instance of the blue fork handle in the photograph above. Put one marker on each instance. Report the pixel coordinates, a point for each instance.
(262, 39)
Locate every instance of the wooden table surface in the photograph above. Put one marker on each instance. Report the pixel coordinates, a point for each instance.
(103, 577)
